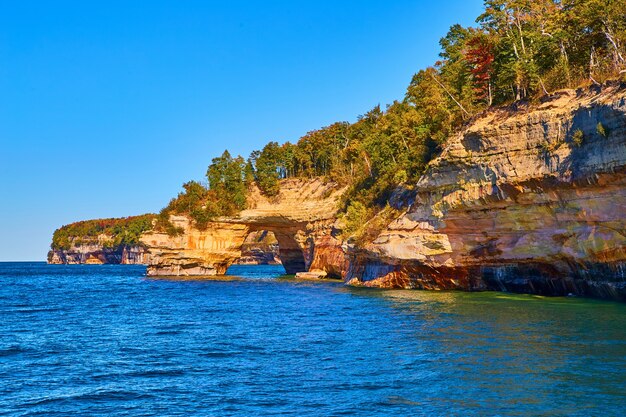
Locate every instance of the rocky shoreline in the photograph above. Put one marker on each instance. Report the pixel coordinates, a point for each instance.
(515, 204)
(528, 198)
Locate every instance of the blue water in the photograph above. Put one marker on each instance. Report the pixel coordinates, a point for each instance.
(105, 340)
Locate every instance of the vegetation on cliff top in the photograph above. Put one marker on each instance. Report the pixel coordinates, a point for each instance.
(119, 232)
(228, 182)
(520, 50)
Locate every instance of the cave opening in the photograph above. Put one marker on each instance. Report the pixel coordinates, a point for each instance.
(272, 247)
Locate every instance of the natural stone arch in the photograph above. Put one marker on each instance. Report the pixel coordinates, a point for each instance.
(213, 250)
(292, 252)
(300, 216)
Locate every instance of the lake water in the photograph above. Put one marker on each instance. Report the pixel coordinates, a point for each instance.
(102, 340)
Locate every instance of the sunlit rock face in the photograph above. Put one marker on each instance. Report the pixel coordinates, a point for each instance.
(300, 216)
(529, 198)
(194, 252)
(513, 203)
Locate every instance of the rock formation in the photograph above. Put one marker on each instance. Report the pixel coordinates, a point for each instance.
(259, 248)
(529, 198)
(98, 253)
(299, 217)
(525, 199)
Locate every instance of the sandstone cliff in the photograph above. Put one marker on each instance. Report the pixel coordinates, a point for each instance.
(527, 199)
(97, 241)
(259, 248)
(98, 253)
(300, 217)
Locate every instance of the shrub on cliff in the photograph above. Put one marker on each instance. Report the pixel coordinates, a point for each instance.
(362, 225)
(355, 217)
(163, 224)
(578, 137)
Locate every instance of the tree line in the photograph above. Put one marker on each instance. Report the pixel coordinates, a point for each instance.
(119, 232)
(519, 50)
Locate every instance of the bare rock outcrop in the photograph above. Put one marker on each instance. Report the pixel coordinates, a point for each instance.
(259, 248)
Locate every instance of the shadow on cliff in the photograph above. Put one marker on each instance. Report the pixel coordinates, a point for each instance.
(589, 135)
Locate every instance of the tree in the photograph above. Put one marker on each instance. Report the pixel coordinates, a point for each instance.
(512, 23)
(227, 180)
(454, 69)
(431, 102)
(480, 56)
(267, 166)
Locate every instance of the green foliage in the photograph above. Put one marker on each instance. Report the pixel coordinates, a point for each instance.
(578, 137)
(372, 155)
(520, 50)
(228, 179)
(363, 225)
(356, 216)
(268, 163)
(120, 232)
(543, 44)
(163, 224)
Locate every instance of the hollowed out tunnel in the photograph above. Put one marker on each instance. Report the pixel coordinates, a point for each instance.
(259, 243)
(290, 253)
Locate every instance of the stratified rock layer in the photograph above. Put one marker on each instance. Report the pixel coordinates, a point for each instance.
(525, 199)
(98, 253)
(259, 248)
(302, 214)
(515, 203)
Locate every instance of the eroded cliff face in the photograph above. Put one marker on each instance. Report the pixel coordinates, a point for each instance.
(98, 253)
(526, 200)
(299, 217)
(259, 248)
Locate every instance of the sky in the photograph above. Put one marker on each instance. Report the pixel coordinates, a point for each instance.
(108, 107)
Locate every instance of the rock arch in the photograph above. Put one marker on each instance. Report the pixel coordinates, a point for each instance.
(301, 217)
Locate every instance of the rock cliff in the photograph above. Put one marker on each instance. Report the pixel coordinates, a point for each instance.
(98, 253)
(529, 198)
(525, 199)
(259, 248)
(300, 218)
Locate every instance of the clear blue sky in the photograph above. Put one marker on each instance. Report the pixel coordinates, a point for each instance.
(107, 107)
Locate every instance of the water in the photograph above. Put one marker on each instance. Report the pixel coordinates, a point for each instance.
(103, 340)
